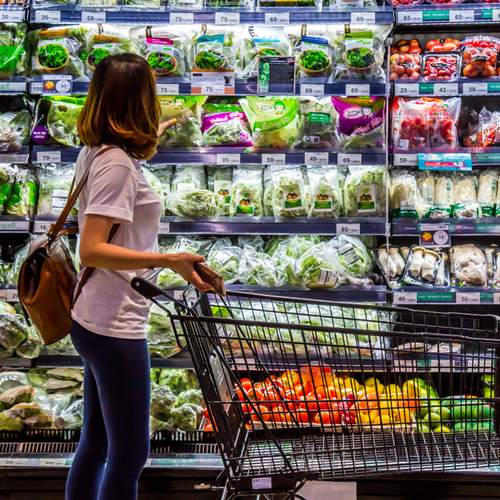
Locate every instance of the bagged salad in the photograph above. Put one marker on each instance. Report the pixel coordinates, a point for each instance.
(287, 193)
(220, 180)
(354, 259)
(216, 48)
(23, 196)
(319, 121)
(274, 121)
(186, 132)
(324, 191)
(189, 177)
(257, 268)
(364, 191)
(225, 124)
(224, 258)
(8, 175)
(319, 267)
(195, 203)
(54, 184)
(14, 60)
(14, 129)
(246, 197)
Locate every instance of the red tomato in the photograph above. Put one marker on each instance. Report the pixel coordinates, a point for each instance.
(271, 398)
(205, 413)
(247, 408)
(246, 384)
(299, 392)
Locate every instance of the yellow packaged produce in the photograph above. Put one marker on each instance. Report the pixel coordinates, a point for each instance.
(393, 389)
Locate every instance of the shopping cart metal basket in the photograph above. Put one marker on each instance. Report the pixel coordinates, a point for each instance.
(300, 390)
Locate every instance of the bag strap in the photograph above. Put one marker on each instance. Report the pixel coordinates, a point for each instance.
(55, 229)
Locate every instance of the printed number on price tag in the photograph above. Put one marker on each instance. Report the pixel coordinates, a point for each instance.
(495, 15)
(47, 16)
(446, 88)
(358, 89)
(12, 296)
(227, 18)
(407, 89)
(312, 89)
(461, 16)
(94, 17)
(228, 159)
(400, 159)
(48, 157)
(468, 298)
(167, 88)
(343, 159)
(270, 159)
(52, 462)
(316, 158)
(350, 229)
(181, 18)
(409, 17)
(475, 88)
(405, 298)
(212, 88)
(277, 18)
(164, 227)
(362, 17)
(36, 88)
(12, 16)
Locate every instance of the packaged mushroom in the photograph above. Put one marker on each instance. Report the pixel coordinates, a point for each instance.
(443, 273)
(444, 197)
(469, 265)
(491, 263)
(466, 206)
(496, 266)
(392, 263)
(422, 266)
(487, 191)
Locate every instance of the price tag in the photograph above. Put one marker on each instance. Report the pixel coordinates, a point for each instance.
(495, 15)
(468, 298)
(47, 16)
(12, 462)
(475, 88)
(312, 89)
(12, 16)
(164, 227)
(343, 159)
(409, 17)
(52, 462)
(316, 158)
(167, 88)
(400, 159)
(57, 84)
(496, 298)
(3, 295)
(181, 18)
(41, 227)
(434, 235)
(48, 157)
(349, 229)
(406, 89)
(178, 294)
(362, 17)
(446, 88)
(272, 159)
(36, 88)
(405, 298)
(277, 18)
(12, 296)
(358, 89)
(461, 16)
(212, 88)
(228, 159)
(94, 17)
(227, 18)
(211, 82)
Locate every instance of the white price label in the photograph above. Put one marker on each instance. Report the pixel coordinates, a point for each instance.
(178, 294)
(362, 17)
(181, 18)
(496, 298)
(167, 88)
(312, 89)
(277, 18)
(52, 462)
(446, 88)
(495, 15)
(271, 159)
(475, 88)
(47, 16)
(36, 88)
(3, 295)
(48, 157)
(164, 228)
(358, 89)
(230, 18)
(343, 159)
(411, 160)
(262, 483)
(409, 17)
(349, 229)
(12, 16)
(212, 88)
(468, 298)
(228, 159)
(94, 17)
(12, 462)
(316, 158)
(405, 298)
(406, 89)
(12, 296)
(461, 16)
(41, 227)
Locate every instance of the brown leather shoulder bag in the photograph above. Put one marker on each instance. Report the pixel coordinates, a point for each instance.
(48, 278)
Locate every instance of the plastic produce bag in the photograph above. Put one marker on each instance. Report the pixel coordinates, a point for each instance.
(13, 330)
(257, 268)
(186, 132)
(9, 380)
(324, 191)
(224, 259)
(7, 423)
(189, 177)
(139, 5)
(246, 197)
(61, 120)
(352, 255)
(195, 203)
(274, 121)
(288, 196)
(469, 265)
(177, 380)
(16, 395)
(30, 347)
(6, 308)
(185, 418)
(443, 118)
(71, 417)
(220, 182)
(319, 267)
(466, 206)
(225, 125)
(486, 192)
(404, 194)
(7, 179)
(37, 4)
(163, 402)
(361, 122)
(14, 129)
(319, 123)
(23, 196)
(54, 184)
(161, 336)
(479, 56)
(14, 60)
(19, 258)
(444, 197)
(216, 47)
(364, 191)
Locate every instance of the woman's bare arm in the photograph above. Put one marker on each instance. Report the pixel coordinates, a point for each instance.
(96, 252)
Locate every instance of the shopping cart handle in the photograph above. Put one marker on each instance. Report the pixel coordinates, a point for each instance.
(145, 288)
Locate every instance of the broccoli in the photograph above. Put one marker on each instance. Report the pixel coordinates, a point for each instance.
(163, 402)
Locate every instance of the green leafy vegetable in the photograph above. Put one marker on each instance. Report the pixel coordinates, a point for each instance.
(257, 268)
(176, 380)
(224, 259)
(315, 60)
(359, 57)
(161, 61)
(210, 59)
(195, 203)
(163, 402)
(52, 55)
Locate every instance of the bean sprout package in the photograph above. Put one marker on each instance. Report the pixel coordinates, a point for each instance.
(319, 123)
(186, 132)
(422, 266)
(216, 48)
(359, 53)
(487, 191)
(274, 121)
(361, 122)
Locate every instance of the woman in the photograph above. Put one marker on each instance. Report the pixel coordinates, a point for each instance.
(109, 317)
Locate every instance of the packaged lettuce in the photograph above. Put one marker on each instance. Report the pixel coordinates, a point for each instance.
(155, 5)
(216, 47)
(161, 337)
(195, 203)
(263, 40)
(14, 330)
(224, 259)
(152, 180)
(14, 129)
(186, 132)
(274, 120)
(185, 4)
(352, 255)
(31, 346)
(7, 178)
(364, 191)
(220, 181)
(361, 122)
(12, 47)
(324, 191)
(319, 123)
(318, 267)
(23, 196)
(62, 117)
(246, 196)
(288, 196)
(225, 124)
(257, 268)
(189, 177)
(54, 184)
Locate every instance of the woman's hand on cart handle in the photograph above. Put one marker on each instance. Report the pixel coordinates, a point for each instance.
(182, 264)
(163, 126)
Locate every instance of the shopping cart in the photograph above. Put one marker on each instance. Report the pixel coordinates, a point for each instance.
(300, 390)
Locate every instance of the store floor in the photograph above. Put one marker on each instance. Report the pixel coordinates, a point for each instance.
(48, 484)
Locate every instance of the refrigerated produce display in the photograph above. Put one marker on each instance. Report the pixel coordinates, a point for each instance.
(364, 182)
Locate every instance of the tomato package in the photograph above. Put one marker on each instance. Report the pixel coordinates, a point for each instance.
(405, 66)
(485, 130)
(406, 47)
(440, 68)
(479, 55)
(407, 3)
(443, 45)
(446, 2)
(443, 120)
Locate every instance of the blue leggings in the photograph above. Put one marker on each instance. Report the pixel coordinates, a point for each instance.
(114, 444)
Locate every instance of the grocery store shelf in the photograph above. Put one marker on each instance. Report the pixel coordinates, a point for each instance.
(466, 227)
(71, 14)
(272, 225)
(463, 296)
(458, 87)
(21, 156)
(17, 85)
(443, 362)
(479, 156)
(14, 224)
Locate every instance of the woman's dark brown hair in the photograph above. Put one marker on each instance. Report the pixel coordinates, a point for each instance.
(122, 107)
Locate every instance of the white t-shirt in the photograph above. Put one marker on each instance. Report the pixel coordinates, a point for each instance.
(116, 188)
